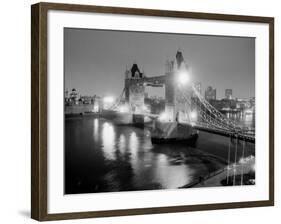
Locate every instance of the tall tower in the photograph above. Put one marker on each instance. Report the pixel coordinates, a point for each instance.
(228, 94)
(210, 93)
(175, 104)
(134, 89)
(180, 59)
(170, 96)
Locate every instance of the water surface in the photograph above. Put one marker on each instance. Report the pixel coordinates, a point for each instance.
(101, 156)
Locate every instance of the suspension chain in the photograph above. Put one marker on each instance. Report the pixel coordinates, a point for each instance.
(118, 101)
(209, 116)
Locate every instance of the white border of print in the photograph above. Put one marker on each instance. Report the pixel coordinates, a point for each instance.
(60, 203)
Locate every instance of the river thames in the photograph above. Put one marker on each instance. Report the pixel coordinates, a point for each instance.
(101, 156)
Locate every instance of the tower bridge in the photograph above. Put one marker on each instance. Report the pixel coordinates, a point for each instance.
(136, 81)
(183, 102)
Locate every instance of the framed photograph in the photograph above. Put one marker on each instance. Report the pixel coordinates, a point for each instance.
(140, 111)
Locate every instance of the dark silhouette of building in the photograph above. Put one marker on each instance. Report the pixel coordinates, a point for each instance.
(135, 72)
(198, 87)
(228, 94)
(210, 93)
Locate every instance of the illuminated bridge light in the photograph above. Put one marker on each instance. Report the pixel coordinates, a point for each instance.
(163, 117)
(183, 77)
(108, 102)
(108, 99)
(193, 115)
(146, 109)
(123, 109)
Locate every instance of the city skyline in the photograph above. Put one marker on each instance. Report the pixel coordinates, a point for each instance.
(96, 60)
(233, 97)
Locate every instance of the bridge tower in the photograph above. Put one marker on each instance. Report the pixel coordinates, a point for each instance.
(134, 89)
(175, 106)
(170, 97)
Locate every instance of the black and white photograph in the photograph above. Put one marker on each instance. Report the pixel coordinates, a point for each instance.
(157, 111)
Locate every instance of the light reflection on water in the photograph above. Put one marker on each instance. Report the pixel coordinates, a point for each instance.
(133, 144)
(243, 119)
(108, 139)
(122, 143)
(172, 176)
(96, 129)
(104, 157)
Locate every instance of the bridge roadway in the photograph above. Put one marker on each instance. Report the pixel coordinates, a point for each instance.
(223, 132)
(233, 135)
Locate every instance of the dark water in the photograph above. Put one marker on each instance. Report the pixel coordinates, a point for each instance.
(103, 157)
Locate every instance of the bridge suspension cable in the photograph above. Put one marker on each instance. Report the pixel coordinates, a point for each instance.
(118, 101)
(227, 123)
(208, 116)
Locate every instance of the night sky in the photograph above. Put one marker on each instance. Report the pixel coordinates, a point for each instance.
(96, 60)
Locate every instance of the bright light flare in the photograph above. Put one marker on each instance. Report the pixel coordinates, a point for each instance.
(183, 77)
(96, 109)
(193, 115)
(163, 117)
(146, 109)
(108, 99)
(123, 109)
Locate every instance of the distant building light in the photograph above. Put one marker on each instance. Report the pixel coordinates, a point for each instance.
(95, 109)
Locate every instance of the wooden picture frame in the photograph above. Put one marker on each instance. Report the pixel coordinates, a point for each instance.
(39, 109)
